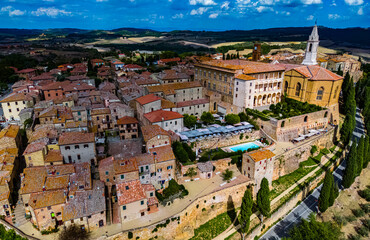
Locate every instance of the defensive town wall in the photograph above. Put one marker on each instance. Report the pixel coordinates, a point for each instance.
(289, 160)
(194, 215)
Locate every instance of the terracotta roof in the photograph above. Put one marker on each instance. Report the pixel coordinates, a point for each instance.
(205, 166)
(107, 86)
(46, 199)
(244, 77)
(147, 99)
(162, 154)
(170, 88)
(76, 137)
(85, 203)
(125, 165)
(27, 70)
(36, 146)
(11, 131)
(167, 60)
(129, 192)
(148, 187)
(100, 111)
(315, 72)
(152, 201)
(54, 156)
(127, 120)
(76, 86)
(144, 159)
(162, 115)
(262, 154)
(56, 182)
(4, 192)
(152, 131)
(192, 102)
(55, 85)
(248, 67)
(167, 104)
(13, 97)
(132, 66)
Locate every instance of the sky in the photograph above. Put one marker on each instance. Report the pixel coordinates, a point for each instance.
(164, 15)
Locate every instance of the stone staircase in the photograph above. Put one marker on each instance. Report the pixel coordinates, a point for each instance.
(19, 213)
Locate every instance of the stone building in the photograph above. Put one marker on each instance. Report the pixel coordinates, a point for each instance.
(240, 84)
(77, 147)
(171, 76)
(101, 119)
(257, 165)
(14, 103)
(128, 127)
(155, 136)
(167, 120)
(10, 137)
(135, 200)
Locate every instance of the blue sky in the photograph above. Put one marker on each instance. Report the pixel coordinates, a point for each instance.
(183, 14)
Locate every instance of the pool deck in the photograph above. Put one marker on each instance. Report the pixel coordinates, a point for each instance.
(228, 148)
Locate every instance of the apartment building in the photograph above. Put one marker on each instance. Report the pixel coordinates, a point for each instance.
(128, 127)
(155, 136)
(14, 103)
(77, 147)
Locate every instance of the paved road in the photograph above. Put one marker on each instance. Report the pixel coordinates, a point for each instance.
(309, 205)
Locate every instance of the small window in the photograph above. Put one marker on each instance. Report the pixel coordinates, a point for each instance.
(123, 177)
(127, 187)
(142, 202)
(77, 146)
(86, 145)
(123, 207)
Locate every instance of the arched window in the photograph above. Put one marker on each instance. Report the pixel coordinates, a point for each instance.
(310, 47)
(320, 93)
(298, 89)
(214, 106)
(286, 86)
(335, 92)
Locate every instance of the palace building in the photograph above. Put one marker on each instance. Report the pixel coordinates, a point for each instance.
(234, 85)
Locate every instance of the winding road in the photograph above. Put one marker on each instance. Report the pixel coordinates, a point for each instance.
(309, 205)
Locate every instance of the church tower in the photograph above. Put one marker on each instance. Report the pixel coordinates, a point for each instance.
(312, 47)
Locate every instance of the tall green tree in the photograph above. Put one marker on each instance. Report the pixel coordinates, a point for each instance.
(333, 192)
(207, 117)
(350, 171)
(189, 120)
(325, 192)
(245, 212)
(312, 229)
(263, 198)
(232, 119)
(366, 152)
(360, 155)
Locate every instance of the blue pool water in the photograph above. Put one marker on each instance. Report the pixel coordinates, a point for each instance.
(245, 147)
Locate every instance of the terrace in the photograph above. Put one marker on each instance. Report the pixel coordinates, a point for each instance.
(215, 130)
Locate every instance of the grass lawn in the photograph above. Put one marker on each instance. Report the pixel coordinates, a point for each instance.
(213, 227)
(284, 182)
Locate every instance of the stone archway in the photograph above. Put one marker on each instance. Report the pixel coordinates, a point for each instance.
(273, 98)
(264, 99)
(259, 102)
(269, 99)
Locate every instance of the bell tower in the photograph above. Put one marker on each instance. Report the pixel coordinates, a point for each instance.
(312, 47)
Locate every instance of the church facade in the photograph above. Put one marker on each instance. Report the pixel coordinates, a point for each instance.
(311, 83)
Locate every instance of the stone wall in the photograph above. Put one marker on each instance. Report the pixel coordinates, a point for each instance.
(286, 129)
(289, 160)
(197, 213)
(223, 141)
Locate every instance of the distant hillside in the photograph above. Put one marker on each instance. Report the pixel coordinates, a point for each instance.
(347, 37)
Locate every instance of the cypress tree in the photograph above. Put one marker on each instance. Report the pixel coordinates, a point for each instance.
(350, 171)
(333, 195)
(245, 212)
(263, 198)
(360, 155)
(366, 152)
(325, 193)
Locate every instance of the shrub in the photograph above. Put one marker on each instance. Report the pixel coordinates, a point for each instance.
(365, 194)
(203, 209)
(340, 220)
(227, 175)
(350, 218)
(365, 207)
(313, 149)
(232, 119)
(363, 231)
(358, 212)
(130, 235)
(366, 223)
(241, 136)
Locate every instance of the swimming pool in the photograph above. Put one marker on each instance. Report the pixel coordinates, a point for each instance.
(244, 147)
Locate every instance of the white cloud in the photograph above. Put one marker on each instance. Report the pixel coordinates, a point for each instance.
(178, 16)
(263, 9)
(360, 11)
(107, 0)
(310, 18)
(333, 16)
(202, 2)
(225, 5)
(50, 12)
(310, 2)
(12, 12)
(199, 11)
(354, 2)
(213, 15)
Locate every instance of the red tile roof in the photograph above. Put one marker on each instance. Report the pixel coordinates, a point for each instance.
(317, 73)
(127, 120)
(167, 60)
(75, 137)
(193, 102)
(129, 192)
(151, 131)
(147, 99)
(161, 115)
